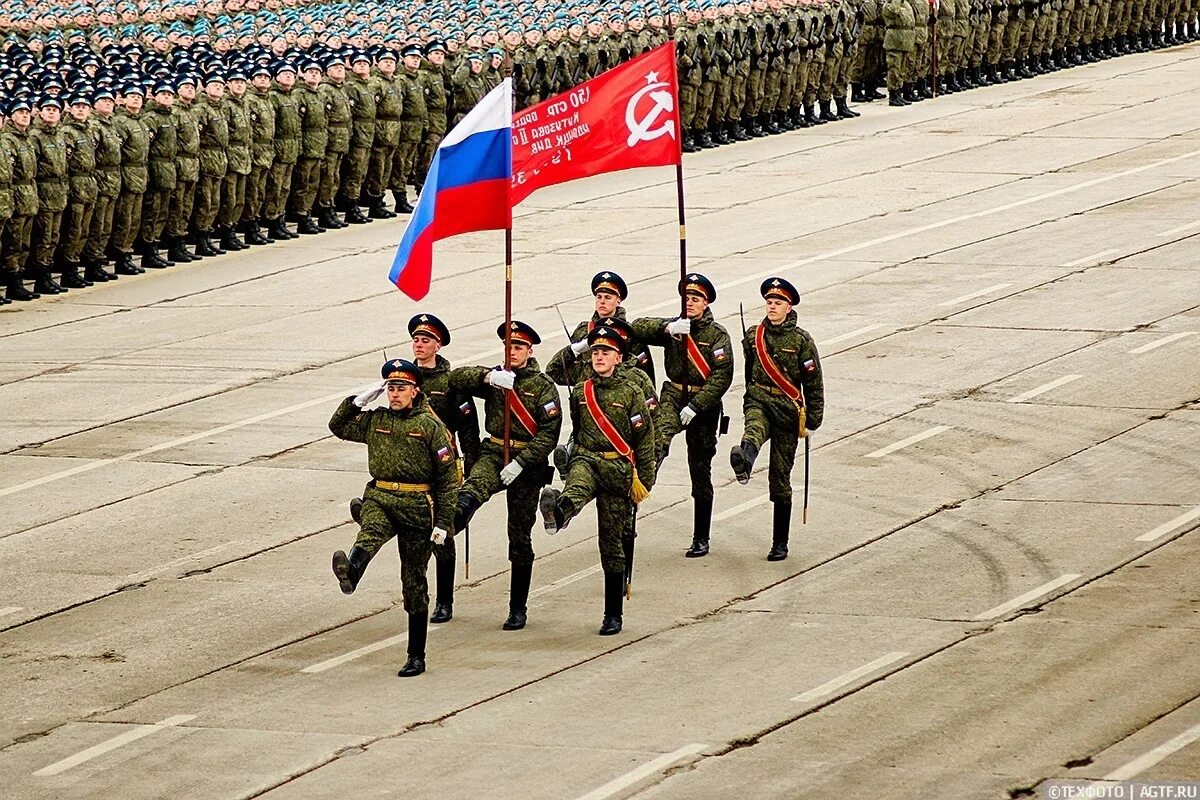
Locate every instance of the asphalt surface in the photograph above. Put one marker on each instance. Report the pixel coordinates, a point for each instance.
(997, 584)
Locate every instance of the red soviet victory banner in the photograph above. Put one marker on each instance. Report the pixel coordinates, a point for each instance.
(624, 118)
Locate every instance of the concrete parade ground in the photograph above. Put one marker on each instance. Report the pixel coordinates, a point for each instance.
(997, 585)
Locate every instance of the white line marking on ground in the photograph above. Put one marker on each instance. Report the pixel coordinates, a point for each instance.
(1091, 258)
(365, 650)
(4, 612)
(1145, 762)
(1187, 226)
(741, 507)
(832, 686)
(851, 334)
(1032, 594)
(644, 771)
(1157, 343)
(1045, 387)
(139, 732)
(973, 295)
(1167, 527)
(903, 443)
(138, 577)
(854, 248)
(568, 580)
(942, 223)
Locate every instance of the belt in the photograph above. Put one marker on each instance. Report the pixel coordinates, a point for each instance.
(607, 455)
(392, 486)
(771, 389)
(515, 445)
(690, 389)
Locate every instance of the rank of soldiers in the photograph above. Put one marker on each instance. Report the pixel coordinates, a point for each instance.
(434, 463)
(138, 135)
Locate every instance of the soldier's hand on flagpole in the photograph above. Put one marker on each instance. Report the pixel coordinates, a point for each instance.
(440, 535)
(686, 415)
(679, 327)
(510, 472)
(370, 395)
(579, 347)
(502, 378)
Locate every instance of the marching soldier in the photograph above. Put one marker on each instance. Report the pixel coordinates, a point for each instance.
(411, 495)
(784, 400)
(613, 461)
(699, 364)
(535, 425)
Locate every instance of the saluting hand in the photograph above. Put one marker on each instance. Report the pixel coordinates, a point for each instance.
(579, 347)
(370, 395)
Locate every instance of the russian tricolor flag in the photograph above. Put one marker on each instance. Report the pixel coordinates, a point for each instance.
(467, 189)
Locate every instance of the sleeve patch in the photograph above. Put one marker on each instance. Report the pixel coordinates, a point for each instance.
(551, 408)
(810, 366)
(719, 354)
(465, 409)
(637, 421)
(444, 454)
(651, 403)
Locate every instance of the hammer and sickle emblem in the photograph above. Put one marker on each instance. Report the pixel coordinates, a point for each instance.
(644, 129)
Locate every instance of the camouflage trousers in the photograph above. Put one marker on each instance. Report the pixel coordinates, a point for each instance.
(522, 497)
(754, 91)
(156, 202)
(386, 515)
(331, 171)
(430, 139)
(208, 202)
(898, 69)
(77, 222)
(100, 229)
(688, 95)
(233, 199)
(46, 228)
(701, 438)
(306, 180)
(180, 215)
(15, 242)
(404, 160)
(354, 171)
(379, 170)
(256, 192)
(590, 475)
(773, 418)
(127, 220)
(278, 184)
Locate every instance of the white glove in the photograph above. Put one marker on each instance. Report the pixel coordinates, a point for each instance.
(686, 415)
(579, 347)
(679, 327)
(440, 535)
(370, 395)
(502, 378)
(510, 472)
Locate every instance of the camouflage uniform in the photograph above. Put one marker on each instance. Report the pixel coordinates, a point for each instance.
(338, 120)
(108, 187)
(389, 105)
(156, 200)
(81, 171)
(51, 147)
(412, 128)
(233, 188)
(135, 156)
(7, 157)
(361, 96)
(262, 153)
(187, 170)
(287, 150)
(314, 138)
(214, 163)
(436, 102)
(21, 152)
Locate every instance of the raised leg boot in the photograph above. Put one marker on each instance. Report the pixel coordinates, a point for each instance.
(701, 527)
(443, 608)
(466, 508)
(741, 458)
(780, 530)
(418, 633)
(518, 596)
(349, 569)
(614, 600)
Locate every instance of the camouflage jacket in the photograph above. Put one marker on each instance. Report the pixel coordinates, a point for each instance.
(389, 105)
(262, 123)
(456, 409)
(6, 174)
(163, 146)
(287, 126)
(794, 352)
(24, 152)
(713, 343)
(361, 96)
(187, 142)
(135, 151)
(108, 155)
(410, 446)
(535, 391)
(622, 401)
(314, 122)
(338, 117)
(237, 119)
(81, 161)
(567, 369)
(214, 138)
(51, 167)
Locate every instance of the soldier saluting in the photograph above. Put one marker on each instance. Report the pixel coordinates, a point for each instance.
(784, 400)
(411, 496)
(699, 362)
(533, 432)
(613, 459)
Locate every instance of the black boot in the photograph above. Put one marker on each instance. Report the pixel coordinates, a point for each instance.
(355, 216)
(125, 265)
(741, 458)
(230, 241)
(875, 94)
(702, 522)
(378, 210)
(418, 631)
(402, 205)
(736, 133)
(204, 246)
(44, 283)
(779, 535)
(150, 257)
(443, 609)
(71, 279)
(827, 111)
(253, 235)
(752, 127)
(810, 115)
(704, 140)
(466, 508)
(897, 99)
(518, 596)
(16, 291)
(331, 220)
(349, 569)
(719, 135)
(307, 225)
(356, 510)
(688, 145)
(614, 599)
(843, 109)
(94, 271)
(177, 251)
(856, 93)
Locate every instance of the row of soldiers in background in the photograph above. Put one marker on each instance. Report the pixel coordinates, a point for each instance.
(152, 157)
(967, 43)
(622, 432)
